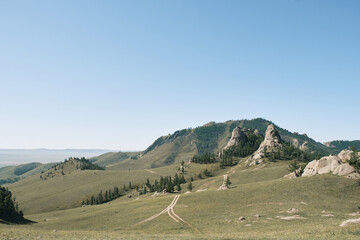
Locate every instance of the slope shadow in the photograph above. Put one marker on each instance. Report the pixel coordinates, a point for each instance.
(22, 221)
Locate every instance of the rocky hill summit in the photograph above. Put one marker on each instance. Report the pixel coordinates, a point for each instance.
(238, 135)
(272, 142)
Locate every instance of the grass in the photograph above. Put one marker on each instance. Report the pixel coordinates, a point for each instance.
(68, 191)
(255, 190)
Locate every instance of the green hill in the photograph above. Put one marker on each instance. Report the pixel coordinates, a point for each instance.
(183, 144)
(339, 145)
(12, 174)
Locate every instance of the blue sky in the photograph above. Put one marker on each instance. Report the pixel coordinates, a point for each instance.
(118, 74)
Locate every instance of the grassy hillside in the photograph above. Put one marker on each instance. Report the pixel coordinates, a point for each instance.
(320, 204)
(183, 144)
(12, 174)
(110, 158)
(339, 145)
(53, 190)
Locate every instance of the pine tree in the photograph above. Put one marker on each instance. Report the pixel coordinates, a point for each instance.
(182, 179)
(106, 197)
(190, 186)
(111, 197)
(100, 197)
(130, 187)
(228, 183)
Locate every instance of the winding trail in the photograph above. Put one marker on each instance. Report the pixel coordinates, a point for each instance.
(171, 213)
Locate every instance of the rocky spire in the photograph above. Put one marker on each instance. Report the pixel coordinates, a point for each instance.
(272, 142)
(237, 136)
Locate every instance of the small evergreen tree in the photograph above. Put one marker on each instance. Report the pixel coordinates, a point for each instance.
(354, 159)
(228, 183)
(190, 186)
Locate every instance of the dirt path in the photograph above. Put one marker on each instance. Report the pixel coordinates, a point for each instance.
(171, 213)
(151, 171)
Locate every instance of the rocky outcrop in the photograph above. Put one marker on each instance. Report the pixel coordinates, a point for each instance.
(237, 136)
(329, 164)
(344, 155)
(295, 142)
(257, 132)
(272, 142)
(304, 146)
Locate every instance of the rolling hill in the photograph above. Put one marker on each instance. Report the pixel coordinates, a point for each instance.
(12, 174)
(212, 137)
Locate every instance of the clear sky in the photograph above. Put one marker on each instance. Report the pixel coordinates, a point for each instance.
(119, 74)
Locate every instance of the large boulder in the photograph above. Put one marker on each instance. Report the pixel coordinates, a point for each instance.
(344, 169)
(329, 164)
(237, 136)
(272, 141)
(321, 166)
(344, 155)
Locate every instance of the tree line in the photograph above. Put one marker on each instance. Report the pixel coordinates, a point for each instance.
(103, 197)
(9, 208)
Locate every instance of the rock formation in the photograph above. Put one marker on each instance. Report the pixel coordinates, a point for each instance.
(304, 146)
(237, 136)
(330, 164)
(257, 132)
(344, 155)
(272, 142)
(295, 142)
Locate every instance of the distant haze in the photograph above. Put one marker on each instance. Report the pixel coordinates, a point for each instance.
(20, 156)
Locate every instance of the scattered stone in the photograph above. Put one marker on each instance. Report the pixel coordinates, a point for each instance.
(327, 215)
(292, 210)
(290, 217)
(241, 218)
(303, 203)
(350, 221)
(257, 215)
(290, 175)
(247, 225)
(269, 218)
(187, 192)
(354, 214)
(54, 230)
(201, 190)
